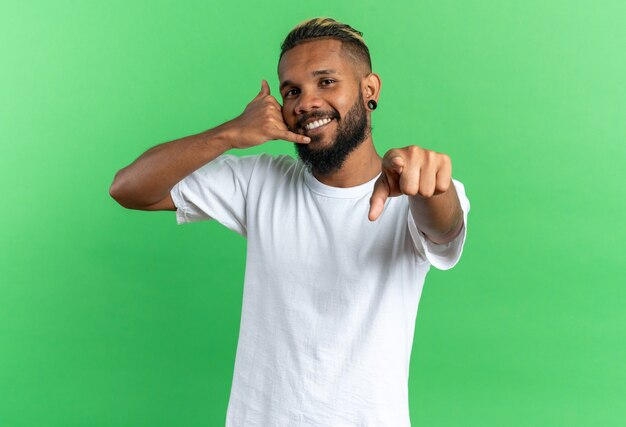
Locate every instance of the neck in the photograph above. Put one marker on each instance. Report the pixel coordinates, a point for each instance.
(361, 166)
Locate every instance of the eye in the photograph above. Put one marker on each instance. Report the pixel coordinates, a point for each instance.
(326, 82)
(292, 92)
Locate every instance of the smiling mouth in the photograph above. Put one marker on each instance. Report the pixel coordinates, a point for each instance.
(317, 124)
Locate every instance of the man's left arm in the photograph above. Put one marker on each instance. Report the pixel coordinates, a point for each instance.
(426, 177)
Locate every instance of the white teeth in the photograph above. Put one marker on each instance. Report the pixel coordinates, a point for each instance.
(317, 123)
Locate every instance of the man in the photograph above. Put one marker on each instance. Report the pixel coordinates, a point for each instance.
(339, 241)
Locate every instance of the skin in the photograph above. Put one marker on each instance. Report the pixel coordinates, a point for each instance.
(314, 76)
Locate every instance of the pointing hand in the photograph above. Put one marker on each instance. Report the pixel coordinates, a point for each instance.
(412, 171)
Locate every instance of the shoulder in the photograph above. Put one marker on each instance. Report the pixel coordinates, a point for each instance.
(256, 168)
(252, 163)
(276, 165)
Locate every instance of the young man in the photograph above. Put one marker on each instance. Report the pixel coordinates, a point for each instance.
(339, 241)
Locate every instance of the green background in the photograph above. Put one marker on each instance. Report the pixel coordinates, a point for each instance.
(111, 317)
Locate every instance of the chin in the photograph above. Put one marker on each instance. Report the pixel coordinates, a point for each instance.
(319, 142)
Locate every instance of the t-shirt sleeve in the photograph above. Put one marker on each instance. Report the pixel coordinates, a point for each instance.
(216, 191)
(442, 256)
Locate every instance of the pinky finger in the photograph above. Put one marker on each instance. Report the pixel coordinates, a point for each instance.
(294, 137)
(443, 179)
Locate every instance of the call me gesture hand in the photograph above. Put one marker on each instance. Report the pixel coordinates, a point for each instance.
(425, 176)
(262, 121)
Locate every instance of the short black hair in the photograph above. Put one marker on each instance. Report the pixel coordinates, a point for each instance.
(328, 28)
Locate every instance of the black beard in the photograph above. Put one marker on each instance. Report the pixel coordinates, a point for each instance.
(351, 132)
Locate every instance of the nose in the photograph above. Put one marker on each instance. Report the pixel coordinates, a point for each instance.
(307, 102)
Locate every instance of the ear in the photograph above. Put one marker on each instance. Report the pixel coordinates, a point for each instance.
(370, 87)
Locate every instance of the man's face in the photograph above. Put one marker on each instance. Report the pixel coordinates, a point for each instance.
(322, 99)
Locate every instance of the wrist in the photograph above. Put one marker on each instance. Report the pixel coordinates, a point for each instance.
(222, 137)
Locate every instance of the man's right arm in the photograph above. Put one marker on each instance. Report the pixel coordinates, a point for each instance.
(146, 183)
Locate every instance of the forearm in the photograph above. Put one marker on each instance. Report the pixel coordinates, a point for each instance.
(439, 217)
(149, 178)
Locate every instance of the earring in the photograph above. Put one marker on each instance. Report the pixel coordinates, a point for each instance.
(372, 104)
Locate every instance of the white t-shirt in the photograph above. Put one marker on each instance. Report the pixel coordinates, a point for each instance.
(329, 299)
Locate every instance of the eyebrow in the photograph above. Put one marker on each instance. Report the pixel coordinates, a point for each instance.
(314, 74)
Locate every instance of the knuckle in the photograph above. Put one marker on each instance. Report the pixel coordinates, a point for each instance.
(410, 190)
(414, 153)
(409, 187)
(428, 157)
(426, 192)
(413, 149)
(444, 187)
(391, 153)
(268, 127)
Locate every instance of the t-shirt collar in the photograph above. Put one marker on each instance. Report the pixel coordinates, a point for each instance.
(338, 192)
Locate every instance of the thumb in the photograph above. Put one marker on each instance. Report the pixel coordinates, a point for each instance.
(265, 89)
(379, 196)
(394, 164)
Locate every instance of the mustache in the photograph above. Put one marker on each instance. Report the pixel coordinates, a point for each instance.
(334, 114)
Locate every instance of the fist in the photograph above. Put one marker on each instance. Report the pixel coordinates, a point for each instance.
(262, 121)
(413, 171)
